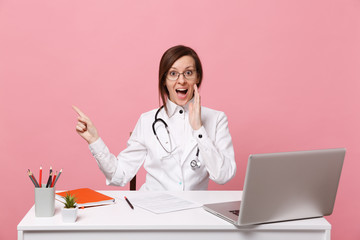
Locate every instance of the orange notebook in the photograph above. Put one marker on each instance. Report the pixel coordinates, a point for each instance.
(86, 197)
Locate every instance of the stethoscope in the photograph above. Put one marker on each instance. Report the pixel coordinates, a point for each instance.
(194, 164)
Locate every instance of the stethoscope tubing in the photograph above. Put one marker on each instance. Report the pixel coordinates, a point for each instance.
(194, 163)
(166, 127)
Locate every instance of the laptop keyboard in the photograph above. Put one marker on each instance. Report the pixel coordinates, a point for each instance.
(236, 212)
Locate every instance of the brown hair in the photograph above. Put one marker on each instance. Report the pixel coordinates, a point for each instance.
(166, 62)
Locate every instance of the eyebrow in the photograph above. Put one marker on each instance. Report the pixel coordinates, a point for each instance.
(185, 68)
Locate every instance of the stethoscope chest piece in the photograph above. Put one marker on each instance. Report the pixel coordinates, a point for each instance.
(194, 164)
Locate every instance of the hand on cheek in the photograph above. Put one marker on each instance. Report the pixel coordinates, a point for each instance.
(195, 110)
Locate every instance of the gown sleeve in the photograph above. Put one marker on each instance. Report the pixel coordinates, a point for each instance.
(119, 170)
(217, 154)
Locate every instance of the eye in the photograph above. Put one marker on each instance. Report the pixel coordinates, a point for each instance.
(188, 72)
(173, 73)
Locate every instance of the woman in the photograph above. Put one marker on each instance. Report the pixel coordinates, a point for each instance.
(181, 144)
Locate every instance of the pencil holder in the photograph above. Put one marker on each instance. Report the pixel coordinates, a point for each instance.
(44, 202)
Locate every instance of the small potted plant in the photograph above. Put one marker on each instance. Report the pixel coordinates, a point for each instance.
(69, 212)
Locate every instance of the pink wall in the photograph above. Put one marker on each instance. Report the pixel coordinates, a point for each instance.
(285, 72)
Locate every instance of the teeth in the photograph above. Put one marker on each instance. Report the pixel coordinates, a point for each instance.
(181, 89)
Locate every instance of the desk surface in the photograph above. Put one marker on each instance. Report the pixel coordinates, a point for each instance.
(119, 217)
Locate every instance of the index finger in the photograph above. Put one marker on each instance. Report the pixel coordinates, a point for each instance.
(81, 114)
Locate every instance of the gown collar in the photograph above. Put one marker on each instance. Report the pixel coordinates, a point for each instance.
(172, 107)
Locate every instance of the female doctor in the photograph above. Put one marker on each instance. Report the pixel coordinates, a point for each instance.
(181, 144)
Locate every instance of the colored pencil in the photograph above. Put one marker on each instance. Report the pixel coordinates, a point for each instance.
(127, 200)
(37, 184)
(50, 177)
(49, 180)
(57, 177)
(52, 184)
(31, 178)
(40, 176)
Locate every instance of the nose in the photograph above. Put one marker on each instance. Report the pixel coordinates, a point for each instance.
(181, 79)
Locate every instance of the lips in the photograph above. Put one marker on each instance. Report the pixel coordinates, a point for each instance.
(181, 92)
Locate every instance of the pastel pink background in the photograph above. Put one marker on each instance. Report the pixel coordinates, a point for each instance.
(285, 72)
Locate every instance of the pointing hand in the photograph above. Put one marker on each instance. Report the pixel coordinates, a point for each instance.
(85, 128)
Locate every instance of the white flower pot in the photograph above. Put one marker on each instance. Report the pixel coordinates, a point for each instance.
(69, 214)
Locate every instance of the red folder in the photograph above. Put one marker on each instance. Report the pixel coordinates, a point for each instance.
(86, 197)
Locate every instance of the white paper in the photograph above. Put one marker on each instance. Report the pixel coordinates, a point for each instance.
(157, 202)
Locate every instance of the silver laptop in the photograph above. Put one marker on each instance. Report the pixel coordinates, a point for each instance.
(285, 186)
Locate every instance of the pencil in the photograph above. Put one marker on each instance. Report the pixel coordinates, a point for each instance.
(49, 180)
(127, 200)
(57, 177)
(31, 178)
(32, 175)
(50, 172)
(40, 176)
(50, 176)
(52, 184)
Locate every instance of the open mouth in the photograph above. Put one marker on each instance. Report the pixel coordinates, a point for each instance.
(181, 91)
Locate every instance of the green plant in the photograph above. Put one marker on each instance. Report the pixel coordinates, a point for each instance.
(70, 200)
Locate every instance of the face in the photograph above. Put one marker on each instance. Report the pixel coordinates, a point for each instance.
(181, 90)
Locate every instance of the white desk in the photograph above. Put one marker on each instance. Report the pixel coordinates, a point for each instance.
(119, 221)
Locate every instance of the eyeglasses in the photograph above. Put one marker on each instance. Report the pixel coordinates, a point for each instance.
(188, 74)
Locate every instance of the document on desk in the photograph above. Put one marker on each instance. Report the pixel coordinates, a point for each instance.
(158, 202)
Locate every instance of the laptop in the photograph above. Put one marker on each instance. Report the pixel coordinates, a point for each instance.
(285, 186)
